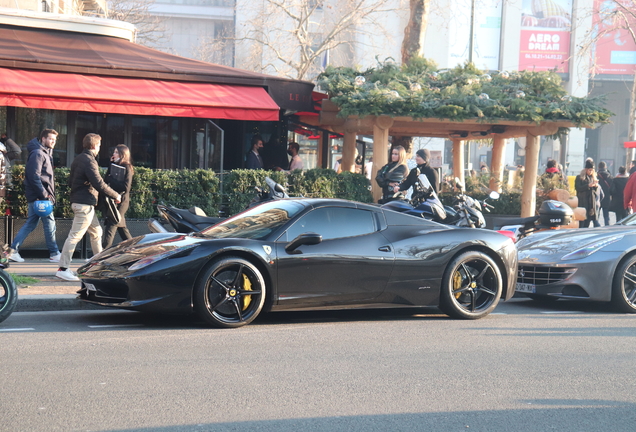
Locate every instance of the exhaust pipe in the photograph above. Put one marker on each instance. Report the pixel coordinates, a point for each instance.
(155, 226)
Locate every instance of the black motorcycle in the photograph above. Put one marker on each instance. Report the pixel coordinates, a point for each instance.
(465, 211)
(8, 289)
(194, 219)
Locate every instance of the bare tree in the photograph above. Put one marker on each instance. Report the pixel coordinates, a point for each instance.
(415, 30)
(294, 37)
(614, 16)
(150, 28)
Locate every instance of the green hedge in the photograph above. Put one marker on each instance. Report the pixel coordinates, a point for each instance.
(198, 187)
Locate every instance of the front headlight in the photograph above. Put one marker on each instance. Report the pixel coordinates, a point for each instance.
(145, 262)
(591, 248)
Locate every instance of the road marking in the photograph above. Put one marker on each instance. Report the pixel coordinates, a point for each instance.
(17, 329)
(115, 325)
(561, 312)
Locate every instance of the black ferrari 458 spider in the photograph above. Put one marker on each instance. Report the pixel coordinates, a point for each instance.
(295, 254)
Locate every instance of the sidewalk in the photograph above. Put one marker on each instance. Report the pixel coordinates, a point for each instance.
(49, 293)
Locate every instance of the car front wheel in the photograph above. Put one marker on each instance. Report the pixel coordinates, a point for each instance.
(624, 286)
(8, 295)
(471, 287)
(230, 293)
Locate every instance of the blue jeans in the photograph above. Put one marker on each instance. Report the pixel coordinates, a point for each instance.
(48, 223)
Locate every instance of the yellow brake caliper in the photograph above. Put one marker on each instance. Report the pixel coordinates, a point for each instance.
(247, 286)
(457, 283)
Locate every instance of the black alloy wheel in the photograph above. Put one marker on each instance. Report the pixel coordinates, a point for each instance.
(8, 295)
(471, 287)
(624, 286)
(230, 294)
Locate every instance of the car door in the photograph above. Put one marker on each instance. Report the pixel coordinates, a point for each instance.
(351, 264)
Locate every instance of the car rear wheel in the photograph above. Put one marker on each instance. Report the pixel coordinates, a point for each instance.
(471, 287)
(8, 295)
(624, 286)
(231, 293)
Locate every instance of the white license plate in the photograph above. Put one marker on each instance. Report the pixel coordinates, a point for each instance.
(89, 287)
(526, 288)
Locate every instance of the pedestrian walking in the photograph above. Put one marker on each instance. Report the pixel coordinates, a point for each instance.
(616, 193)
(588, 193)
(119, 177)
(39, 185)
(86, 184)
(605, 181)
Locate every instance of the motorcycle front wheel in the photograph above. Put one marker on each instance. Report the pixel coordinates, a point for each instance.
(8, 295)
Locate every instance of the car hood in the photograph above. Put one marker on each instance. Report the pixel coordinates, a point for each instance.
(555, 243)
(133, 250)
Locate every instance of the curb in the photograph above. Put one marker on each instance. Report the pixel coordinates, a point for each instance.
(59, 302)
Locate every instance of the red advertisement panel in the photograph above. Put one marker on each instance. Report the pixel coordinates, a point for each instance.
(615, 50)
(545, 35)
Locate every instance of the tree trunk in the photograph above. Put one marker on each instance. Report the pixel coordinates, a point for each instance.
(415, 31)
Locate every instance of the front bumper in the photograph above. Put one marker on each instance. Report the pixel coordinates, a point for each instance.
(581, 280)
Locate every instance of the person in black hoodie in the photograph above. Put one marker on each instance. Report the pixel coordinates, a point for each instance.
(616, 192)
(39, 184)
(605, 180)
(86, 184)
(422, 156)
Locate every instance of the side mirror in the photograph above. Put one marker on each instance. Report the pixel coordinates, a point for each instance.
(308, 238)
(494, 195)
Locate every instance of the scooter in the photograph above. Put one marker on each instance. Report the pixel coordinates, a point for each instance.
(194, 219)
(8, 289)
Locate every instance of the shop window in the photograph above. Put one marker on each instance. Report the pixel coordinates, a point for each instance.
(3, 120)
(168, 132)
(143, 144)
(109, 126)
(30, 122)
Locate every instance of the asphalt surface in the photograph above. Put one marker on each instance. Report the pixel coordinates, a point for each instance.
(527, 367)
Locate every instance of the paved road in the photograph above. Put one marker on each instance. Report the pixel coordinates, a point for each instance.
(529, 367)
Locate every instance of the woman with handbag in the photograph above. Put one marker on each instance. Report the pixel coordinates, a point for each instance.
(392, 174)
(119, 177)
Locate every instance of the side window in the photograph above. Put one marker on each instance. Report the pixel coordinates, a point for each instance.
(334, 222)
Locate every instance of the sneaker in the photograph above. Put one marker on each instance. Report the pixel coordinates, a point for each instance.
(67, 275)
(56, 258)
(15, 256)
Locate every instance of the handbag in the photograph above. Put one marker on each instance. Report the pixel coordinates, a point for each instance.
(109, 209)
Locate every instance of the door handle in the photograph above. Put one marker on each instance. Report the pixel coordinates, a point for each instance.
(384, 248)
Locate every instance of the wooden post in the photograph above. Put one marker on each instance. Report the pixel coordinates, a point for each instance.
(497, 164)
(458, 160)
(349, 146)
(381, 127)
(529, 193)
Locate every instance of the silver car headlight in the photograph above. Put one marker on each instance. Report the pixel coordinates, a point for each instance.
(591, 248)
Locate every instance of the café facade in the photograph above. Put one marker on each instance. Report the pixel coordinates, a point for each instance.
(79, 75)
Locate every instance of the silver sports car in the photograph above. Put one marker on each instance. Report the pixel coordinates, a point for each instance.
(596, 264)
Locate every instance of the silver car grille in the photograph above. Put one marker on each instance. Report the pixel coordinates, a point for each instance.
(537, 275)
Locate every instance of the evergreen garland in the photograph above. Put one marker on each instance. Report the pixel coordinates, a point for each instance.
(419, 90)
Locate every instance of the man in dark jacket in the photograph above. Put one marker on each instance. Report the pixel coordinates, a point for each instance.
(422, 158)
(253, 159)
(39, 184)
(616, 192)
(86, 184)
(605, 180)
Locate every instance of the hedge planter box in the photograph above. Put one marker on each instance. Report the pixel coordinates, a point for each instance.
(36, 242)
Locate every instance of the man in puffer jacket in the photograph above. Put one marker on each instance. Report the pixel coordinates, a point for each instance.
(39, 184)
(86, 185)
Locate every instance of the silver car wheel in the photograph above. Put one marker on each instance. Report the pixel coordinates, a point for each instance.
(624, 287)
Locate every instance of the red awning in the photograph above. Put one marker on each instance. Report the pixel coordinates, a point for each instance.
(104, 94)
(629, 144)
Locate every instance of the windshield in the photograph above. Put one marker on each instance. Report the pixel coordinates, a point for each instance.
(629, 220)
(257, 222)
